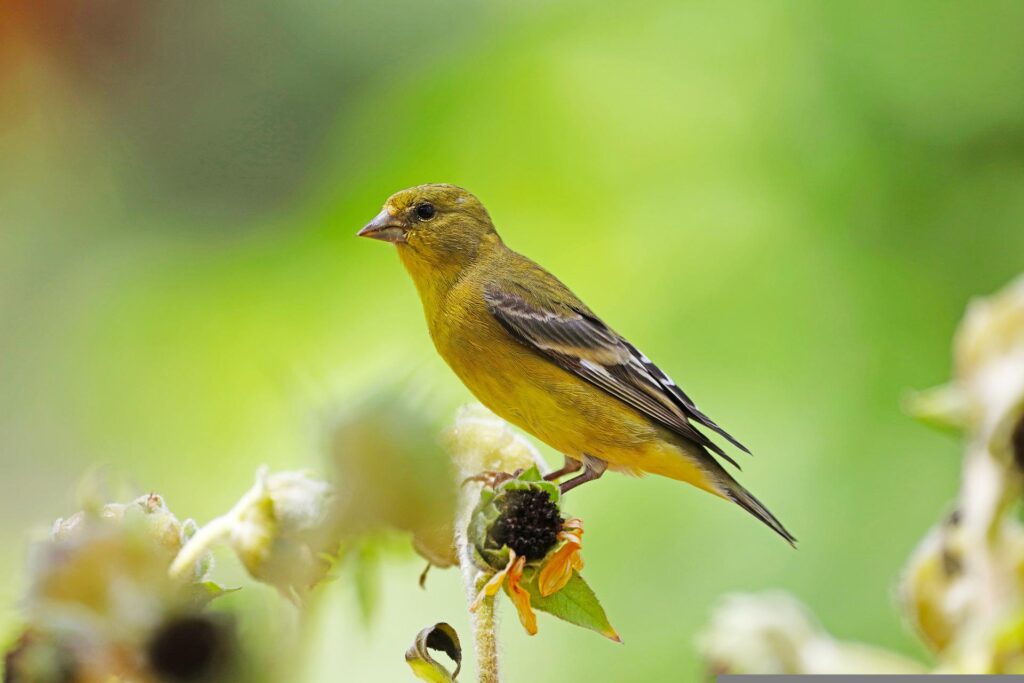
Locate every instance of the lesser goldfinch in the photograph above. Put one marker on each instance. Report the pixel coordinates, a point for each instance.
(537, 356)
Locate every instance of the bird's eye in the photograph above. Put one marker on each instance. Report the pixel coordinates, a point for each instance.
(425, 211)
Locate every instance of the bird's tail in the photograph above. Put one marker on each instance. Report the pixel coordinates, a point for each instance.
(746, 500)
(689, 462)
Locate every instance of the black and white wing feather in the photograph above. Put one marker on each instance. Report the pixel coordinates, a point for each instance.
(580, 343)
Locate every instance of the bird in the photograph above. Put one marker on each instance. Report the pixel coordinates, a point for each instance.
(534, 354)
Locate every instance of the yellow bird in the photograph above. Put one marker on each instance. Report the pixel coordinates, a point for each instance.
(537, 356)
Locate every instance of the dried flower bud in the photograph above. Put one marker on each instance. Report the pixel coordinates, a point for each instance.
(773, 633)
(301, 502)
(283, 531)
(149, 512)
(987, 394)
(480, 441)
(101, 586)
(391, 472)
(931, 583)
(990, 366)
(992, 328)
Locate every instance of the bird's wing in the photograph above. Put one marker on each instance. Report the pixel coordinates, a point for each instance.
(579, 342)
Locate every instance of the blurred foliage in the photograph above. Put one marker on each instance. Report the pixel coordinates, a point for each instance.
(392, 473)
(102, 607)
(962, 587)
(787, 205)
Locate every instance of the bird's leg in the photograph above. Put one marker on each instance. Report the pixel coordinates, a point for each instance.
(491, 479)
(571, 465)
(594, 469)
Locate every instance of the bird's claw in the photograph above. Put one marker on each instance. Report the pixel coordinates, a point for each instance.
(492, 479)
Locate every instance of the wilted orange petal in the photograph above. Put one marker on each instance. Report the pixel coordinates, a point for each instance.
(491, 587)
(521, 597)
(570, 538)
(557, 571)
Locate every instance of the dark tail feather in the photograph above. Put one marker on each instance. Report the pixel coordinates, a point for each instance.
(746, 500)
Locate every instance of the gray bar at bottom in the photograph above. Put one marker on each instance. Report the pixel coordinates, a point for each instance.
(863, 678)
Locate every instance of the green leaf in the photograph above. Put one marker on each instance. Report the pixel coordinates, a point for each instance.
(532, 474)
(443, 638)
(943, 408)
(203, 593)
(366, 578)
(575, 603)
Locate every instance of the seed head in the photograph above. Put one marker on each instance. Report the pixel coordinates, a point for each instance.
(528, 523)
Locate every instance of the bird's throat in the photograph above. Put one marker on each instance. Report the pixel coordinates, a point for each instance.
(433, 280)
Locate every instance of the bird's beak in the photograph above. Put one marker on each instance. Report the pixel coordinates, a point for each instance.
(384, 227)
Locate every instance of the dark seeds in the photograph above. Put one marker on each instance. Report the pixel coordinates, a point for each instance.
(529, 523)
(190, 648)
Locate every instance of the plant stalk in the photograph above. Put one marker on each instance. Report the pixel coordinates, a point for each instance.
(216, 530)
(482, 621)
(208, 536)
(485, 642)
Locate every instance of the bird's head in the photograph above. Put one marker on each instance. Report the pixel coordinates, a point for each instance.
(441, 224)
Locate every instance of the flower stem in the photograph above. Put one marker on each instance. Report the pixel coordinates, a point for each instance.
(216, 530)
(208, 535)
(482, 620)
(485, 642)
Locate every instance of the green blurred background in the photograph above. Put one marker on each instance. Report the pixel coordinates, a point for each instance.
(787, 205)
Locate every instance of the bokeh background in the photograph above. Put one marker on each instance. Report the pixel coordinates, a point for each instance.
(787, 205)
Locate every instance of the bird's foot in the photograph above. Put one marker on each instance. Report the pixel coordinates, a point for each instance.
(594, 469)
(491, 479)
(571, 465)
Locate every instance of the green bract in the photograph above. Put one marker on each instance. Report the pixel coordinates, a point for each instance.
(489, 554)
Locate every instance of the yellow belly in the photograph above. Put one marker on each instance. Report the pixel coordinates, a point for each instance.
(562, 410)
